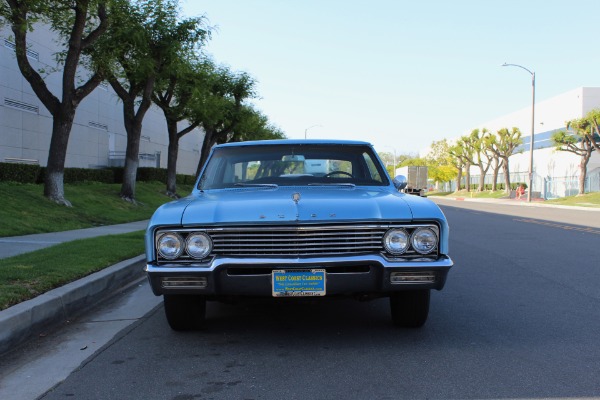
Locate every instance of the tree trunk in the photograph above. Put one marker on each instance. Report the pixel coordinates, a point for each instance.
(133, 127)
(495, 178)
(505, 169)
(172, 158)
(207, 144)
(583, 173)
(481, 179)
(458, 179)
(53, 181)
(496, 171)
(132, 156)
(468, 177)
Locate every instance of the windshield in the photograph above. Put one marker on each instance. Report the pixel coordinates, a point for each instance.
(285, 165)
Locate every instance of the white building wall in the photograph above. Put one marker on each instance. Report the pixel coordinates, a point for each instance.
(98, 129)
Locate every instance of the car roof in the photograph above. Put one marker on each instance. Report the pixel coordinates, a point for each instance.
(295, 142)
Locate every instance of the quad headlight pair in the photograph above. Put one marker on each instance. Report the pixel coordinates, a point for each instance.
(423, 240)
(171, 245)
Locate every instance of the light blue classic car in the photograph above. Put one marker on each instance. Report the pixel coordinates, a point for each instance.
(296, 218)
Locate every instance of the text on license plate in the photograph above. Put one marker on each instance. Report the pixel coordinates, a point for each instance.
(306, 282)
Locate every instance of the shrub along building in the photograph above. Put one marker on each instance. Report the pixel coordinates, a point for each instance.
(98, 138)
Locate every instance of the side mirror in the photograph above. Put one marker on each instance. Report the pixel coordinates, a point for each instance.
(400, 182)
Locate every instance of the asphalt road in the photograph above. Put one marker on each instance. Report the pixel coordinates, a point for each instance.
(519, 318)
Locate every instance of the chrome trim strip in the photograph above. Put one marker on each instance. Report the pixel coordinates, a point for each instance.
(443, 262)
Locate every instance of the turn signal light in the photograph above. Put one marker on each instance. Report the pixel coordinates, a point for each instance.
(412, 277)
(184, 282)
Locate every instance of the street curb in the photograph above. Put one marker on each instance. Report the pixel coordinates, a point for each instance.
(25, 320)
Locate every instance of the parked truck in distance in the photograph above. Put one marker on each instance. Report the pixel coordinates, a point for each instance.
(416, 177)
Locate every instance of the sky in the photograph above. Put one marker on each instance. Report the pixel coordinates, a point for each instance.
(401, 74)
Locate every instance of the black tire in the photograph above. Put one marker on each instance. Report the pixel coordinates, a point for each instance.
(185, 312)
(410, 308)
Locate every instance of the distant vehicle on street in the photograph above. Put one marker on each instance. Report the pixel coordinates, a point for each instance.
(296, 219)
(416, 176)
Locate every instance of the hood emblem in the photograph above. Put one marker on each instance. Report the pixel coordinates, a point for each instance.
(296, 197)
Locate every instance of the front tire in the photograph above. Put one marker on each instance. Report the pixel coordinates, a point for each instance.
(185, 312)
(410, 308)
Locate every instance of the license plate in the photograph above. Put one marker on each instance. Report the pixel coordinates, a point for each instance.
(300, 283)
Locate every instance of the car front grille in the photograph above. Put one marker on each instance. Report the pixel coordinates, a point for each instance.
(297, 241)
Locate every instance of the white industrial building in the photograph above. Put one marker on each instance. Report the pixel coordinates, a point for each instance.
(555, 173)
(98, 137)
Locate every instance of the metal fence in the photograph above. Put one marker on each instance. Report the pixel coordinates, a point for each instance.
(569, 185)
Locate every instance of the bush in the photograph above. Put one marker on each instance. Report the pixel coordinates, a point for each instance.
(186, 179)
(21, 173)
(26, 173)
(145, 174)
(73, 175)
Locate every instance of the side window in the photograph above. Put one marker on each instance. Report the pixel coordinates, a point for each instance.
(375, 175)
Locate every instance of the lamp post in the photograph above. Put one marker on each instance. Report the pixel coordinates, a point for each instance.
(393, 148)
(532, 126)
(306, 130)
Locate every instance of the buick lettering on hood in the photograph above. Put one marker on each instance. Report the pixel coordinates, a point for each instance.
(296, 219)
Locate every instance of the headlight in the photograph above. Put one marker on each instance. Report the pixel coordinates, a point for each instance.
(424, 240)
(198, 245)
(395, 241)
(170, 245)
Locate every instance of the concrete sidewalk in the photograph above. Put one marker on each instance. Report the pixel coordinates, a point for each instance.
(26, 320)
(15, 245)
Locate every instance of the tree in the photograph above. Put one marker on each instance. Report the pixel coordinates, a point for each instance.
(254, 125)
(459, 161)
(462, 151)
(577, 141)
(143, 44)
(593, 117)
(178, 93)
(222, 109)
(478, 154)
(497, 163)
(503, 146)
(79, 24)
(440, 162)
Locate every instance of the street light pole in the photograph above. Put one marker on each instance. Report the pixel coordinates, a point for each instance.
(306, 130)
(393, 148)
(532, 126)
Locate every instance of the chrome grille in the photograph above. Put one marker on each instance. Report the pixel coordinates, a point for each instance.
(297, 241)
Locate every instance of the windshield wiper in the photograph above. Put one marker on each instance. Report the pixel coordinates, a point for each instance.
(266, 185)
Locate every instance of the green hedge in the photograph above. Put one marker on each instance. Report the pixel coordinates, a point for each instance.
(25, 173)
(22, 173)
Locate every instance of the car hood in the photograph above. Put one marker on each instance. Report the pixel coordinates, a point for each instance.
(306, 204)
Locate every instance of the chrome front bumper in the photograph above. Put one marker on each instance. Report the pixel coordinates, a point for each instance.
(356, 275)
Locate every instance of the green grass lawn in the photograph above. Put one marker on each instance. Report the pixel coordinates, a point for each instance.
(26, 276)
(25, 211)
(585, 200)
